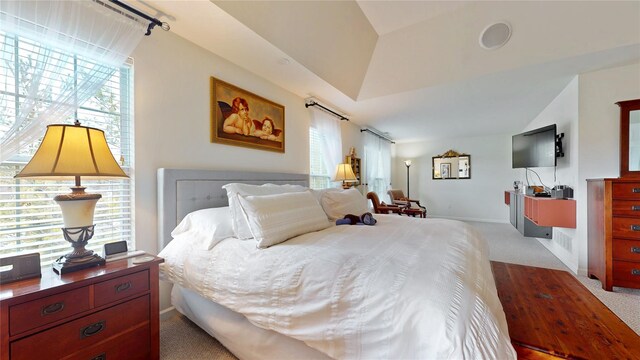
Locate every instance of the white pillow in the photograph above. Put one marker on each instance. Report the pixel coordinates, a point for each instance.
(320, 193)
(206, 227)
(240, 226)
(277, 218)
(337, 204)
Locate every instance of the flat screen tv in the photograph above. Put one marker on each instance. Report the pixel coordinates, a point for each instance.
(535, 148)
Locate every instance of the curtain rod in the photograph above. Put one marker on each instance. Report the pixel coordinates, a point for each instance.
(153, 21)
(313, 103)
(381, 136)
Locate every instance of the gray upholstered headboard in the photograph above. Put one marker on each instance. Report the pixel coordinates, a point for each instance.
(181, 191)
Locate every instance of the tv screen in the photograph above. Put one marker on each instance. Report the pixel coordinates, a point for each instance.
(535, 148)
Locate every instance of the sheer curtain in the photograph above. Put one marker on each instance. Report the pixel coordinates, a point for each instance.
(90, 37)
(377, 164)
(385, 165)
(329, 128)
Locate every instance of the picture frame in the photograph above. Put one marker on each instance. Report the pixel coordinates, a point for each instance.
(445, 170)
(451, 165)
(242, 118)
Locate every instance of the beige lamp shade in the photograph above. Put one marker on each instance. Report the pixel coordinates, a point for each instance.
(344, 173)
(73, 150)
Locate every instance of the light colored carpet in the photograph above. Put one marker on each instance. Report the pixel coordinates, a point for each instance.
(181, 339)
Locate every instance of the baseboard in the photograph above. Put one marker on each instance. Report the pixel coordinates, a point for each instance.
(167, 313)
(470, 219)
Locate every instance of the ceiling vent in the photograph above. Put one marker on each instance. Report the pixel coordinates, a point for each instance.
(495, 35)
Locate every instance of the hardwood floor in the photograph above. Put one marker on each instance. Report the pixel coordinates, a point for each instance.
(551, 312)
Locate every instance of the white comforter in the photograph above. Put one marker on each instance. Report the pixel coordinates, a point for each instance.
(403, 289)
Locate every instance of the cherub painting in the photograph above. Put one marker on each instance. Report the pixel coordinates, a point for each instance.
(235, 115)
(266, 129)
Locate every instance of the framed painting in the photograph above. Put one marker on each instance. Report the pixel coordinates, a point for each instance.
(242, 118)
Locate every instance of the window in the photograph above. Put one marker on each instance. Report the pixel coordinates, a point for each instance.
(30, 220)
(319, 177)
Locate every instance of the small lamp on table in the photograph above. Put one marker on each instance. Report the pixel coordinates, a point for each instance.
(74, 151)
(344, 173)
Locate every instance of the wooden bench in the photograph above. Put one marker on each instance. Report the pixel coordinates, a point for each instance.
(551, 315)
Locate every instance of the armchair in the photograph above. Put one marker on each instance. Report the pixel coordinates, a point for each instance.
(382, 208)
(398, 198)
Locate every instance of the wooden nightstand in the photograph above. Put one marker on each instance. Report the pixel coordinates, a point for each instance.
(105, 312)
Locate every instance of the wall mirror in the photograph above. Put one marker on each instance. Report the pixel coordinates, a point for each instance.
(451, 165)
(629, 138)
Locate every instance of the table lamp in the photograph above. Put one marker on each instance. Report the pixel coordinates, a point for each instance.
(344, 173)
(74, 150)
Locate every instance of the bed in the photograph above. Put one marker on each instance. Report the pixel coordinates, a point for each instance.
(405, 288)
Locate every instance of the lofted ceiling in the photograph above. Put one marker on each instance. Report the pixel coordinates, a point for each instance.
(415, 69)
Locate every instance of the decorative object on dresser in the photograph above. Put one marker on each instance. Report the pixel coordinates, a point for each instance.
(614, 211)
(344, 173)
(110, 312)
(74, 151)
(451, 165)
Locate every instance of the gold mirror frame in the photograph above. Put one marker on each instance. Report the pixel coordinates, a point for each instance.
(443, 167)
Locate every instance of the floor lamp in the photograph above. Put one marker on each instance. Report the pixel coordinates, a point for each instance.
(407, 163)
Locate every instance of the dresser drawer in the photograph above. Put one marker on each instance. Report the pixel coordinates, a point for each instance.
(626, 190)
(626, 227)
(121, 287)
(626, 272)
(132, 345)
(627, 250)
(626, 208)
(82, 333)
(42, 311)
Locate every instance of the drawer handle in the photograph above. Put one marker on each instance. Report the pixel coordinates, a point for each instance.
(52, 309)
(102, 356)
(124, 286)
(635, 190)
(635, 272)
(635, 207)
(635, 249)
(92, 329)
(635, 227)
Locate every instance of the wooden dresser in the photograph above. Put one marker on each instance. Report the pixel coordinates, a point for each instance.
(614, 232)
(105, 312)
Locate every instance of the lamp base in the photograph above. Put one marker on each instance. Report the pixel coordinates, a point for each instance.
(66, 265)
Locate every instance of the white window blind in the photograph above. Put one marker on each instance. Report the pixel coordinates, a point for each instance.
(319, 178)
(30, 221)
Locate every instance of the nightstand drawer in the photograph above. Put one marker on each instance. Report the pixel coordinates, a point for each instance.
(626, 227)
(627, 250)
(35, 313)
(132, 345)
(626, 190)
(122, 287)
(82, 333)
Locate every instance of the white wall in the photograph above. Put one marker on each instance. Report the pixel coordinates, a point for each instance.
(599, 128)
(172, 117)
(562, 111)
(480, 198)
